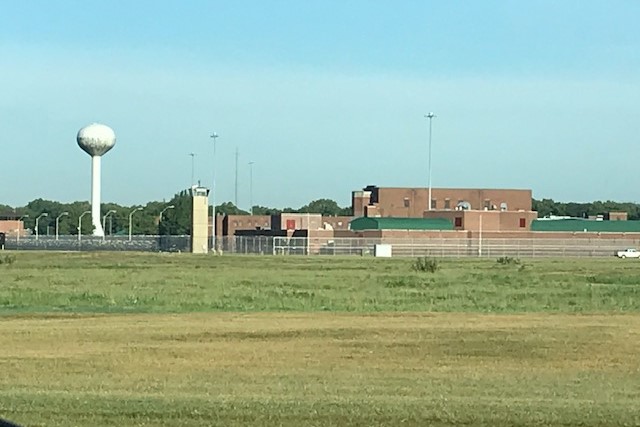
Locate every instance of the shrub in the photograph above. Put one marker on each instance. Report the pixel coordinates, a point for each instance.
(425, 265)
(7, 259)
(507, 260)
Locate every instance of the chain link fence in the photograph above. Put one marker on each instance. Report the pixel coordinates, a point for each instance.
(267, 245)
(108, 243)
(438, 247)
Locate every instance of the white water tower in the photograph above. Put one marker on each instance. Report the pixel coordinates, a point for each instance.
(96, 139)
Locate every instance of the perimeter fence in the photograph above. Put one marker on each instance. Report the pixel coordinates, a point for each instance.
(108, 243)
(437, 247)
(268, 245)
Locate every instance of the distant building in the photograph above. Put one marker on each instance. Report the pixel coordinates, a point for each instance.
(412, 202)
(465, 208)
(12, 227)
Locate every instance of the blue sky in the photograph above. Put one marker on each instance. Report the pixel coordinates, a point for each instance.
(325, 97)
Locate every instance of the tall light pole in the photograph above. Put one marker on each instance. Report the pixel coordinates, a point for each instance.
(80, 224)
(214, 136)
(38, 220)
(104, 221)
(251, 186)
(130, 220)
(18, 231)
(235, 199)
(58, 221)
(430, 116)
(164, 210)
(193, 168)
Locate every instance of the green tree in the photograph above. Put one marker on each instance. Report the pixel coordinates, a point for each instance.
(263, 210)
(177, 220)
(545, 207)
(228, 208)
(326, 207)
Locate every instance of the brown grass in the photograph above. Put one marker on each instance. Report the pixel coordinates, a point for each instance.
(320, 369)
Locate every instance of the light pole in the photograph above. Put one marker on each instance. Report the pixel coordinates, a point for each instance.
(130, 219)
(214, 136)
(235, 199)
(104, 221)
(38, 220)
(193, 168)
(163, 211)
(18, 231)
(58, 221)
(251, 186)
(430, 116)
(80, 224)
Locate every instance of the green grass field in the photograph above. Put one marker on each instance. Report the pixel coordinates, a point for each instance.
(179, 283)
(105, 339)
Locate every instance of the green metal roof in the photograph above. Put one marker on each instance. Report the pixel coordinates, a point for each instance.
(388, 223)
(589, 225)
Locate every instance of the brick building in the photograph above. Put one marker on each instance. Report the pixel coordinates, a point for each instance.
(412, 202)
(11, 227)
(466, 208)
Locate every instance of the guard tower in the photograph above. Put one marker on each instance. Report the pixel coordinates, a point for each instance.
(199, 219)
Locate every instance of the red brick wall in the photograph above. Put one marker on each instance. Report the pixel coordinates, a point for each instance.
(412, 202)
(231, 223)
(11, 227)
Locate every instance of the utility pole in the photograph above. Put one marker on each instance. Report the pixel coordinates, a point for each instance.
(193, 155)
(236, 188)
(214, 192)
(429, 116)
(251, 186)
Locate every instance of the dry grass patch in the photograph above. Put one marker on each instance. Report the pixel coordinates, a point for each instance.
(320, 369)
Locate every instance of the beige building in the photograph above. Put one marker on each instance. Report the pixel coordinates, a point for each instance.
(199, 220)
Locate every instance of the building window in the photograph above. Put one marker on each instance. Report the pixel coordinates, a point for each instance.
(487, 204)
(433, 203)
(447, 204)
(458, 221)
(523, 222)
(407, 202)
(235, 223)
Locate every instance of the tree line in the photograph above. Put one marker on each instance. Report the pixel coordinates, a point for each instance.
(548, 207)
(155, 218)
(176, 214)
